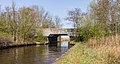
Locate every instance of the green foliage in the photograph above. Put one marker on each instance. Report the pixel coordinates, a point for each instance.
(97, 31)
(3, 34)
(40, 38)
(22, 23)
(83, 34)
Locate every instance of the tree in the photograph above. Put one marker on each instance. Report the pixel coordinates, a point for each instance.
(74, 16)
(106, 12)
(22, 23)
(14, 33)
(58, 23)
(27, 21)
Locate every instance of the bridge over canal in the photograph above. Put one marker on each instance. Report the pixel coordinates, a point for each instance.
(54, 33)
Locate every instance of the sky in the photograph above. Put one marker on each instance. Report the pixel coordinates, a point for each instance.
(54, 7)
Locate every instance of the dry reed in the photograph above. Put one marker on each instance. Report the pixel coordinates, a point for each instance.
(109, 46)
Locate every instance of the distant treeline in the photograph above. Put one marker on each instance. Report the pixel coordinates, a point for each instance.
(101, 19)
(21, 23)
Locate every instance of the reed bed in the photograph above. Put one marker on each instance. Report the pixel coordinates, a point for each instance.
(108, 46)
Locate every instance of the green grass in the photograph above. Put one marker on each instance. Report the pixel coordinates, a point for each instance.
(4, 34)
(81, 54)
(72, 42)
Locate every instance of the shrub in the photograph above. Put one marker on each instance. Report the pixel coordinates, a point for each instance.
(83, 34)
(40, 38)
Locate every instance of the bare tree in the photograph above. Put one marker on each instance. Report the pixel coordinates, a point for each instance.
(74, 16)
(58, 22)
(14, 22)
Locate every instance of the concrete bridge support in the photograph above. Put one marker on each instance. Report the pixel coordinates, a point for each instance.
(53, 39)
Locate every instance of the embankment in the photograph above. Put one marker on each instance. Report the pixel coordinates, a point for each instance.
(6, 43)
(104, 50)
(81, 54)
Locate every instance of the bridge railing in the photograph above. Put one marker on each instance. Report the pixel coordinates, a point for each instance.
(48, 31)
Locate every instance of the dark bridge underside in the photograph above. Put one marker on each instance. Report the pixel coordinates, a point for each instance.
(52, 38)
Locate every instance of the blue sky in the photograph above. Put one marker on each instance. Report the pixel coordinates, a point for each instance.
(55, 7)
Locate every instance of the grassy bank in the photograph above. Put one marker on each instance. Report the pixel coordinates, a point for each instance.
(95, 51)
(81, 54)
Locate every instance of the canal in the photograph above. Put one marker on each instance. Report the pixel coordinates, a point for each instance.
(38, 54)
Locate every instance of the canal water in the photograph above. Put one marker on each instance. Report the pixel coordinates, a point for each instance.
(33, 54)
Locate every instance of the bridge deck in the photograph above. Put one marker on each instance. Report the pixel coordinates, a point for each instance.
(48, 31)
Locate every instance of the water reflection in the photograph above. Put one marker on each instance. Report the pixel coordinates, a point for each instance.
(32, 54)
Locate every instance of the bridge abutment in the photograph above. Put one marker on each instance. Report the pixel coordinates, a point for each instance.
(53, 39)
